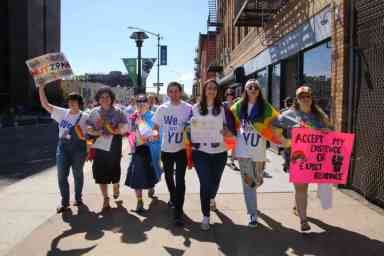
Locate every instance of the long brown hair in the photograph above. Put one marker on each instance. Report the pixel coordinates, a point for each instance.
(203, 105)
(316, 110)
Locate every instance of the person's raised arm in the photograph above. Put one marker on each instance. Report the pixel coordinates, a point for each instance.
(43, 99)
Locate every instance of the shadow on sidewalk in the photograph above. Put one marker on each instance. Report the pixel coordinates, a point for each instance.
(231, 239)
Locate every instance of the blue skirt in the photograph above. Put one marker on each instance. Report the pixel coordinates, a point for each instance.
(141, 174)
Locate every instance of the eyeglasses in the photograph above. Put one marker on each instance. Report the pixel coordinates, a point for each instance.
(252, 87)
(141, 101)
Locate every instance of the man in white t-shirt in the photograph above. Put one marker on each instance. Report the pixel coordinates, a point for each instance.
(71, 147)
(171, 119)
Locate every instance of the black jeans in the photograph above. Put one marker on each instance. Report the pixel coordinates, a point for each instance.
(209, 168)
(176, 192)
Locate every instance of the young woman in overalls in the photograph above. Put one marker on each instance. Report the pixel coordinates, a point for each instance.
(71, 147)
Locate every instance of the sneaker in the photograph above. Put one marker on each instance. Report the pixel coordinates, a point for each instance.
(151, 192)
(140, 207)
(61, 209)
(178, 222)
(170, 204)
(205, 224)
(252, 222)
(78, 203)
(212, 205)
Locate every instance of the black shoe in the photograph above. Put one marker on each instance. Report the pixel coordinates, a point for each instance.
(78, 203)
(179, 222)
(61, 209)
(170, 204)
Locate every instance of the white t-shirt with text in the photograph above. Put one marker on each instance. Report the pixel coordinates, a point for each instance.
(66, 121)
(249, 144)
(172, 120)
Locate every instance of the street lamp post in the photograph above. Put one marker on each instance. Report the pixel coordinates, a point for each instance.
(158, 36)
(139, 38)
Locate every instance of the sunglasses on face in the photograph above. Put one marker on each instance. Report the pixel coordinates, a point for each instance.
(252, 87)
(305, 96)
(141, 101)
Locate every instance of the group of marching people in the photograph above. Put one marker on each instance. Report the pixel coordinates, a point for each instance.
(159, 142)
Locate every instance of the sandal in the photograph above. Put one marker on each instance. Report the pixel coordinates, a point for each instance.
(106, 205)
(305, 226)
(116, 191)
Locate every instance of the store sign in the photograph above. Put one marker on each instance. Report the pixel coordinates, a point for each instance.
(317, 29)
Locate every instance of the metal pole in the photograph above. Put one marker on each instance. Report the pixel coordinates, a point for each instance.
(158, 64)
(139, 89)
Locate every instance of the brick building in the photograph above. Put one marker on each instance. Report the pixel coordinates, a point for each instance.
(335, 46)
(28, 29)
(205, 55)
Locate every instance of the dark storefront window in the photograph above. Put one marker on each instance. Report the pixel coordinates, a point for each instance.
(317, 74)
(275, 85)
(290, 78)
(262, 77)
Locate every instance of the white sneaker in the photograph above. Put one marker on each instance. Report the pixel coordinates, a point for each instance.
(212, 205)
(205, 224)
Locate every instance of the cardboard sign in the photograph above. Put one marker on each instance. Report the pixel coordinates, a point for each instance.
(319, 156)
(206, 129)
(49, 67)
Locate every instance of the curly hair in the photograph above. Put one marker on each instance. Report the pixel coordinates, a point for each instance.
(104, 90)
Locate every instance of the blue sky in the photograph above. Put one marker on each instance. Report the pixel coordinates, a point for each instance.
(95, 35)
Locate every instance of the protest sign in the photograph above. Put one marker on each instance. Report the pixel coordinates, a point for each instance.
(320, 156)
(206, 129)
(49, 67)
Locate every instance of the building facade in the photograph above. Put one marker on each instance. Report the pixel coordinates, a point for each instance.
(205, 56)
(29, 29)
(113, 78)
(334, 46)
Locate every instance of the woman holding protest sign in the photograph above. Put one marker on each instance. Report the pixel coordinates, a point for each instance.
(144, 170)
(304, 114)
(107, 124)
(71, 147)
(209, 152)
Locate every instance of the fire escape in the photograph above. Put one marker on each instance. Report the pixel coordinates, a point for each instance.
(213, 29)
(255, 13)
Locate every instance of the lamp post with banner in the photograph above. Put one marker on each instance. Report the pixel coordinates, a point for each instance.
(139, 38)
(159, 47)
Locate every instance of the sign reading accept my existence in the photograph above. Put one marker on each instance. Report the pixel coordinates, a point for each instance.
(49, 67)
(320, 157)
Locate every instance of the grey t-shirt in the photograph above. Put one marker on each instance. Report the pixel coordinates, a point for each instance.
(295, 119)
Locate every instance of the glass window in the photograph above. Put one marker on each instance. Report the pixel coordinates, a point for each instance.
(262, 77)
(317, 73)
(275, 85)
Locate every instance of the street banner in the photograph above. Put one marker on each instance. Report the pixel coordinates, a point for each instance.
(163, 55)
(131, 66)
(319, 156)
(206, 129)
(147, 65)
(49, 67)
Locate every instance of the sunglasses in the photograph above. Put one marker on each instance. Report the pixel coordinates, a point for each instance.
(304, 96)
(252, 87)
(142, 101)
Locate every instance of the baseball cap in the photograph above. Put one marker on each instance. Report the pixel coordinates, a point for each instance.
(303, 89)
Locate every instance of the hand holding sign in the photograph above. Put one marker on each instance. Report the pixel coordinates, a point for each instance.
(320, 157)
(49, 67)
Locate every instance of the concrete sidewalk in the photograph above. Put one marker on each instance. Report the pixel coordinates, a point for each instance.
(30, 226)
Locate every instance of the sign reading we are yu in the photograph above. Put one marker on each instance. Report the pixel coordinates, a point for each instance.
(49, 67)
(320, 156)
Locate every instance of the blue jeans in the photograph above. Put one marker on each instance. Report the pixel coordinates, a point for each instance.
(209, 168)
(69, 155)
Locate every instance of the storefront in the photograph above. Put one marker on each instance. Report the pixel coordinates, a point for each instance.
(302, 56)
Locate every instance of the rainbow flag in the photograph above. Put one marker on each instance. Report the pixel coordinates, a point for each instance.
(188, 146)
(263, 125)
(110, 129)
(79, 132)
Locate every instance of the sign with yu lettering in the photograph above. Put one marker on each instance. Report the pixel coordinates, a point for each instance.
(49, 67)
(320, 156)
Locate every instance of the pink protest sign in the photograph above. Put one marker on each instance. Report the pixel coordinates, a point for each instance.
(320, 157)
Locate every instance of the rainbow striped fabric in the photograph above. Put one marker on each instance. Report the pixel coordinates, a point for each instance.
(188, 146)
(79, 132)
(263, 124)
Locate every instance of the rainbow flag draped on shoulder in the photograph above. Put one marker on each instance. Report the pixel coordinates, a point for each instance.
(263, 124)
